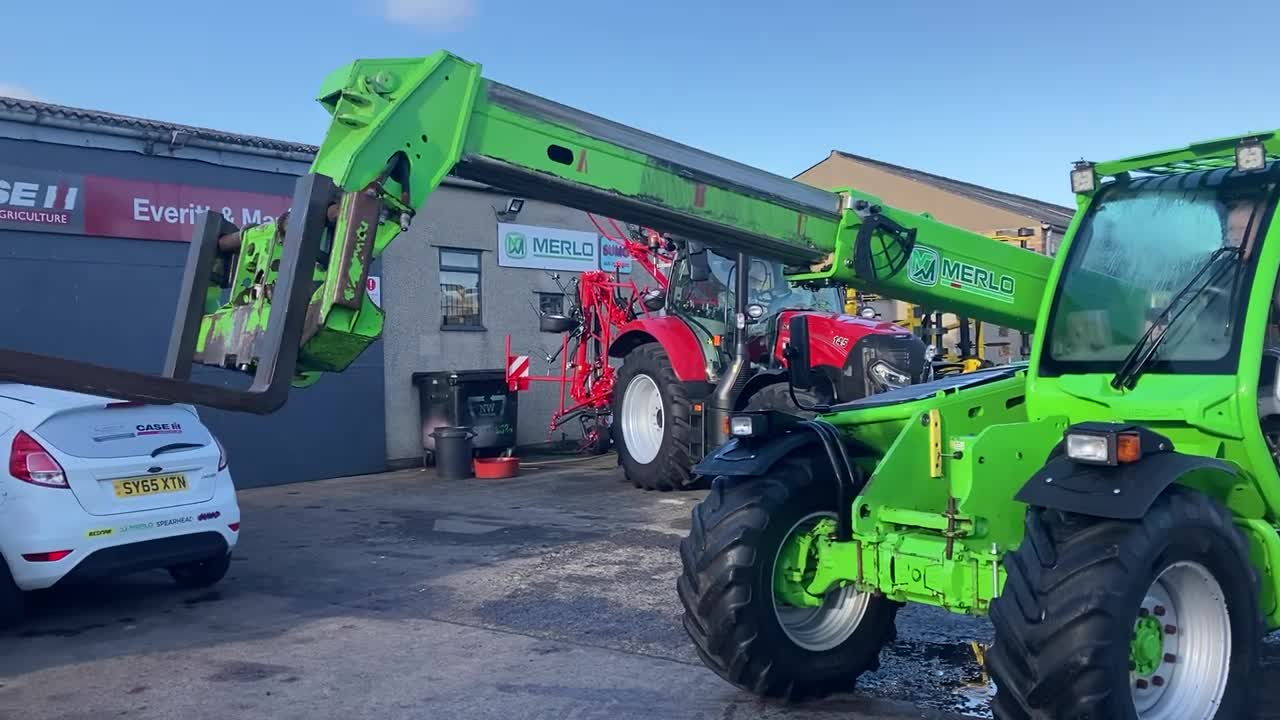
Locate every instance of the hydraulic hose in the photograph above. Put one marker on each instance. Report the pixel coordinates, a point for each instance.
(841, 465)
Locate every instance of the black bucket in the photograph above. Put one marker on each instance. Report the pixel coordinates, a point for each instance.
(453, 451)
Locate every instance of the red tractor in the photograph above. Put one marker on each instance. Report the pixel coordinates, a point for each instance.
(708, 341)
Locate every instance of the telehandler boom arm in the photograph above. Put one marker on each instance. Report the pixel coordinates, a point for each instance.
(285, 301)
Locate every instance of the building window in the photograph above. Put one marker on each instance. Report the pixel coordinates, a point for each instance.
(551, 303)
(460, 290)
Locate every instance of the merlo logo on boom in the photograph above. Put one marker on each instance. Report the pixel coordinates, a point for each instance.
(927, 267)
(923, 267)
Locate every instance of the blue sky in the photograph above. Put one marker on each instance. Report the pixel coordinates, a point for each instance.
(1001, 93)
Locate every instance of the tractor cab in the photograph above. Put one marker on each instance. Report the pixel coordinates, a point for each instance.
(703, 294)
(704, 287)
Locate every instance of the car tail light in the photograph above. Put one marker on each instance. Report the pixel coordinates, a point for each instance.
(53, 556)
(222, 454)
(30, 462)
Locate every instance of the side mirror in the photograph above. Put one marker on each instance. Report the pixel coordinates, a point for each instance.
(654, 300)
(699, 266)
(797, 353)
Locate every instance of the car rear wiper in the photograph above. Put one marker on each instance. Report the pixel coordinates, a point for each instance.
(1143, 351)
(174, 446)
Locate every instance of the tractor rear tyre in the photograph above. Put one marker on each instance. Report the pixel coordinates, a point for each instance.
(1151, 619)
(778, 397)
(651, 411)
(739, 622)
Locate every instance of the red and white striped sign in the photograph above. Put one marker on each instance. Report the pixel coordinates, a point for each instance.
(518, 368)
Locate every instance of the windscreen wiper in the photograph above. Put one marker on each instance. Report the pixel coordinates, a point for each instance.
(1143, 351)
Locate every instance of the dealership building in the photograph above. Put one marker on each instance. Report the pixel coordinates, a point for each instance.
(96, 210)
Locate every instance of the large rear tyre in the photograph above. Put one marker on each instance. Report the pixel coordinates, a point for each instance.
(651, 421)
(778, 397)
(1155, 619)
(743, 537)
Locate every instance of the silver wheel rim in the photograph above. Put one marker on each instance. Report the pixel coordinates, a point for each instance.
(642, 419)
(1191, 678)
(827, 626)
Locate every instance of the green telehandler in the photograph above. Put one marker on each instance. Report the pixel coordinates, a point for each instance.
(1112, 503)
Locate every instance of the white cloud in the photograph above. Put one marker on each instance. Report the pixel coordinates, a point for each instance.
(428, 14)
(17, 91)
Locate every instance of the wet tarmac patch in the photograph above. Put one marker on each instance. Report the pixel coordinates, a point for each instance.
(211, 596)
(61, 632)
(462, 526)
(586, 618)
(459, 529)
(238, 671)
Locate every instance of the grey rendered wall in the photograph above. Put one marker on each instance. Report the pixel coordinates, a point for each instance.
(465, 218)
(111, 301)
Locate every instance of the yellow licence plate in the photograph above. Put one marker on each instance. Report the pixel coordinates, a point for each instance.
(150, 485)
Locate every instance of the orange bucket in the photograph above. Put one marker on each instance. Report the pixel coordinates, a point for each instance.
(496, 468)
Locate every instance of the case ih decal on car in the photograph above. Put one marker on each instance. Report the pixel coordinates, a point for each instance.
(105, 433)
(159, 428)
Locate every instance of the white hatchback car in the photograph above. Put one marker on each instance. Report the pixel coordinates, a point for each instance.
(98, 487)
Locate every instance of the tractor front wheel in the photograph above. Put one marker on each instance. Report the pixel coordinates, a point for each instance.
(651, 414)
(744, 563)
(1155, 619)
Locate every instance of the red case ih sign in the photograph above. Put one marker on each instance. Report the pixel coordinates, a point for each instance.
(48, 201)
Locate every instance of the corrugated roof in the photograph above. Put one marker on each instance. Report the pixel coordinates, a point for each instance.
(97, 117)
(1056, 216)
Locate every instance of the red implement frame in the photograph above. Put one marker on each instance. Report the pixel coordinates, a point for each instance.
(601, 302)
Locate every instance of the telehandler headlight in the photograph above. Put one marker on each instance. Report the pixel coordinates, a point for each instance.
(1250, 155)
(1089, 448)
(746, 426)
(1102, 447)
(1083, 178)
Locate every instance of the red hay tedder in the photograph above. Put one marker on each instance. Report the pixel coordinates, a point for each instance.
(708, 340)
(600, 303)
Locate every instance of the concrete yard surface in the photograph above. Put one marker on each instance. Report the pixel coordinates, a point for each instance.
(551, 595)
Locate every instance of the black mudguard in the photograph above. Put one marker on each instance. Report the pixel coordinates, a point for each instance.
(743, 459)
(1122, 492)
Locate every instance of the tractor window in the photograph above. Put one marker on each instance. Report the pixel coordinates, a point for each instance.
(1137, 248)
(767, 286)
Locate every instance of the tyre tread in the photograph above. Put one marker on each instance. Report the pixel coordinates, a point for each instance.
(1055, 618)
(715, 588)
